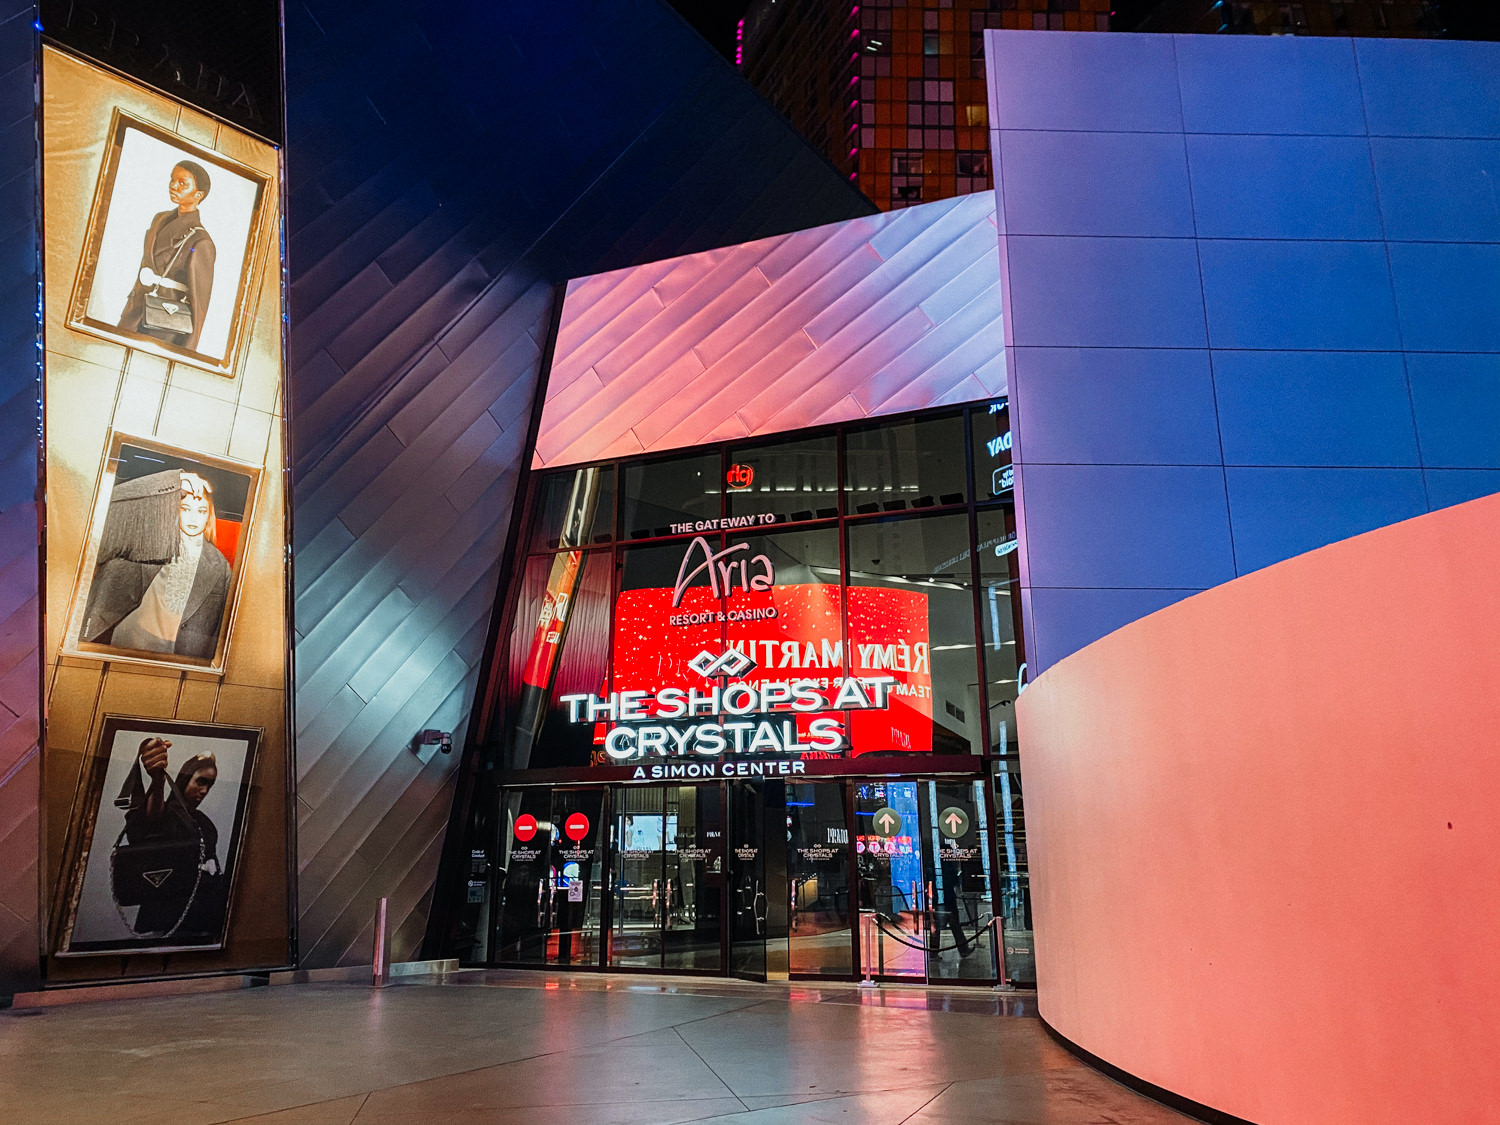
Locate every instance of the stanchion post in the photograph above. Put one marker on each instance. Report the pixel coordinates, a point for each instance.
(382, 954)
(997, 934)
(865, 918)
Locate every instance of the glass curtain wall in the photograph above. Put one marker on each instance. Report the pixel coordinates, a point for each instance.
(893, 548)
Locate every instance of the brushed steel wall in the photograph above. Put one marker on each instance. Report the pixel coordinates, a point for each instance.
(447, 172)
(20, 758)
(879, 315)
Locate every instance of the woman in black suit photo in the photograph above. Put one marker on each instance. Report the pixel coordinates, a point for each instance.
(170, 298)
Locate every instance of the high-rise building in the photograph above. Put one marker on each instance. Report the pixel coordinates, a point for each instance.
(892, 91)
(1395, 19)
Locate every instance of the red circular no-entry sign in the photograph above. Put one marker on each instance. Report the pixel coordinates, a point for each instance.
(525, 827)
(576, 827)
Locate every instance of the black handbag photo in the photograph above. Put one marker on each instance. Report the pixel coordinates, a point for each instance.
(168, 313)
(162, 873)
(154, 870)
(168, 308)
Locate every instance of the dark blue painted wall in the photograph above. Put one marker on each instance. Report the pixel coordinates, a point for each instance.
(448, 169)
(1253, 303)
(20, 760)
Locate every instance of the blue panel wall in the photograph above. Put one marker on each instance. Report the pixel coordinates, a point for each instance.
(20, 684)
(449, 166)
(1252, 303)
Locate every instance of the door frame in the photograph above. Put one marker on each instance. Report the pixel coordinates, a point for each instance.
(608, 788)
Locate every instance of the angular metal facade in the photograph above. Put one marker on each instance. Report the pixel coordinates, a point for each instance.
(891, 313)
(448, 171)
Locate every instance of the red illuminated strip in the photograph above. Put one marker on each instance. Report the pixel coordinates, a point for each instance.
(552, 620)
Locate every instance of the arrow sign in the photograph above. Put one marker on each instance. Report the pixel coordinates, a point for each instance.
(887, 821)
(953, 822)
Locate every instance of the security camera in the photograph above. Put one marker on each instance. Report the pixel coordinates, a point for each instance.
(442, 739)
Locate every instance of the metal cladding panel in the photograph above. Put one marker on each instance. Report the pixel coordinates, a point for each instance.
(878, 315)
(1207, 780)
(1271, 269)
(20, 683)
(448, 170)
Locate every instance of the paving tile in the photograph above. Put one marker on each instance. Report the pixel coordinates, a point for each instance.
(1072, 1096)
(549, 1048)
(622, 1113)
(338, 1111)
(891, 1107)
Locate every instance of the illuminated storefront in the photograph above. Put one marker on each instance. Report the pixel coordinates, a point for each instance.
(752, 712)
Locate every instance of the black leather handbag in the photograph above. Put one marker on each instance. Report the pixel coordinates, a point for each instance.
(168, 314)
(169, 311)
(155, 870)
(158, 869)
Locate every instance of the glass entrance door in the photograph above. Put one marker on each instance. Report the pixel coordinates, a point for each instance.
(893, 902)
(820, 941)
(667, 883)
(550, 878)
(961, 938)
(924, 880)
(749, 904)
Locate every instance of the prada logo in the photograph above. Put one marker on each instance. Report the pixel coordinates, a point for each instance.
(157, 878)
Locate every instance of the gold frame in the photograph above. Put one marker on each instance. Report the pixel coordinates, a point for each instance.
(83, 581)
(80, 843)
(255, 248)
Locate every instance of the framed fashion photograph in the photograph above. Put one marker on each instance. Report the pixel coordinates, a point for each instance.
(158, 836)
(173, 241)
(163, 558)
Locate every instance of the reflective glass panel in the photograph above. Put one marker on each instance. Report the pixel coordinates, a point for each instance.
(912, 464)
(550, 876)
(892, 891)
(957, 845)
(638, 885)
(821, 936)
(992, 453)
(911, 618)
(573, 508)
(694, 879)
(793, 480)
(1014, 881)
(658, 497)
(749, 904)
(1000, 622)
(559, 646)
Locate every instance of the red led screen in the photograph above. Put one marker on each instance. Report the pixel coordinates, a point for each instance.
(792, 633)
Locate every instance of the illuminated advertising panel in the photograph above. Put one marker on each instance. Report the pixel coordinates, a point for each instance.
(729, 663)
(165, 753)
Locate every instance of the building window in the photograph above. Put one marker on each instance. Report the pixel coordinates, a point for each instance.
(973, 163)
(858, 561)
(906, 163)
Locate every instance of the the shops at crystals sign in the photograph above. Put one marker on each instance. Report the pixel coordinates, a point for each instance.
(694, 730)
(738, 718)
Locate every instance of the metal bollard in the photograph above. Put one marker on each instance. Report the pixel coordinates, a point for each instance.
(865, 928)
(382, 954)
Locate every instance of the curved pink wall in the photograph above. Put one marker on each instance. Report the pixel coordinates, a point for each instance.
(1264, 831)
